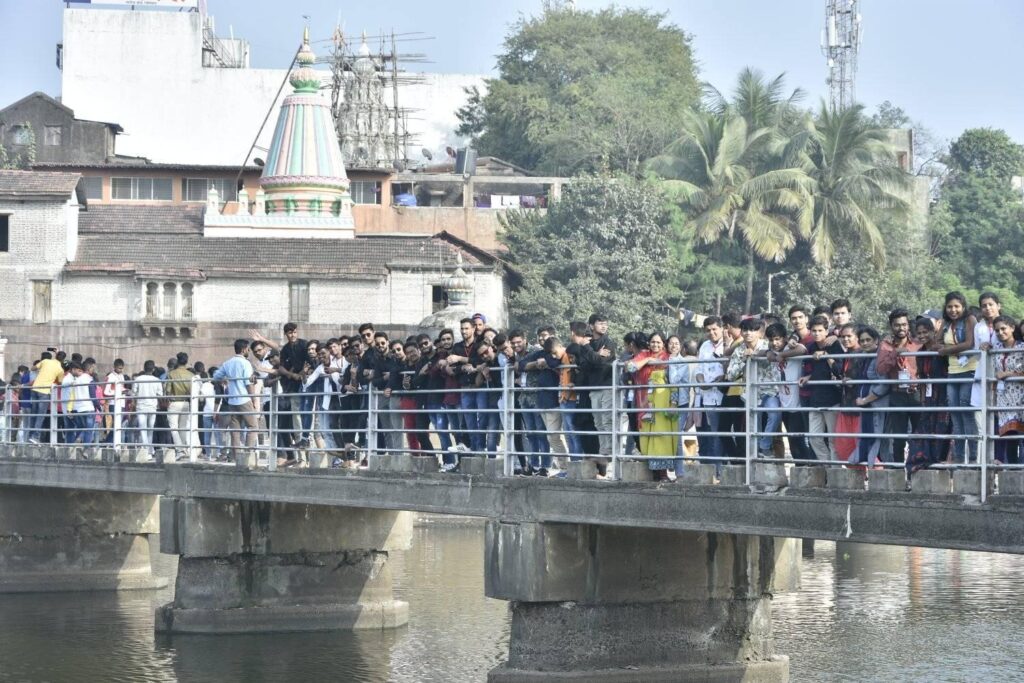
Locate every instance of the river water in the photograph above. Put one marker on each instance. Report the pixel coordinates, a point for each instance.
(864, 613)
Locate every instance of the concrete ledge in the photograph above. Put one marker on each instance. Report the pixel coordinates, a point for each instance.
(888, 480)
(583, 469)
(360, 616)
(472, 464)
(1011, 483)
(769, 476)
(844, 478)
(697, 475)
(968, 482)
(319, 460)
(775, 670)
(636, 470)
(494, 467)
(805, 477)
(931, 481)
(733, 475)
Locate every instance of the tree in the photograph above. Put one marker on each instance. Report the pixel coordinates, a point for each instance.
(602, 247)
(986, 150)
(583, 91)
(929, 150)
(20, 160)
(709, 173)
(855, 177)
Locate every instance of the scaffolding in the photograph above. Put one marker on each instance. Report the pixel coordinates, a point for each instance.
(372, 126)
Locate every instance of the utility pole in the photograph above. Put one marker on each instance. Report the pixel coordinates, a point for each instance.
(840, 42)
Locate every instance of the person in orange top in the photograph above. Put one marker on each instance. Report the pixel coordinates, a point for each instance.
(48, 373)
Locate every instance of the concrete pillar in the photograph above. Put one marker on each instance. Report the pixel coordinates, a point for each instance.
(601, 603)
(247, 567)
(71, 540)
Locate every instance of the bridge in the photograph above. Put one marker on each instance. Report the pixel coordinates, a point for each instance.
(628, 580)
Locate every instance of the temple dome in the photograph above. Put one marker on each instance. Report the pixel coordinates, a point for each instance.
(305, 173)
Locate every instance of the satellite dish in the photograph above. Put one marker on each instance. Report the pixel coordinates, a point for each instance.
(450, 151)
(426, 154)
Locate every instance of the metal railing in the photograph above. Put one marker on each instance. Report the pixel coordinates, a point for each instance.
(513, 417)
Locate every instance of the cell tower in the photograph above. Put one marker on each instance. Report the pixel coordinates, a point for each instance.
(840, 41)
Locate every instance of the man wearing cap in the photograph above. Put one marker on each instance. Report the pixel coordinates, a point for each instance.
(479, 325)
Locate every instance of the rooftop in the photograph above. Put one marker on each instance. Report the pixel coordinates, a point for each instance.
(168, 240)
(36, 184)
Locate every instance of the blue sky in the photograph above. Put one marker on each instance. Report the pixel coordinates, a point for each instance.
(949, 63)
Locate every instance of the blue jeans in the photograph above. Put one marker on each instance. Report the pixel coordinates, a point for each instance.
(207, 437)
(491, 421)
(468, 401)
(572, 437)
(772, 421)
(536, 435)
(83, 426)
(958, 394)
(709, 446)
(39, 408)
(306, 403)
(440, 419)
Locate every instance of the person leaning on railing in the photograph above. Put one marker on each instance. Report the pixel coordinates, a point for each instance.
(1009, 394)
(924, 452)
(957, 336)
(242, 402)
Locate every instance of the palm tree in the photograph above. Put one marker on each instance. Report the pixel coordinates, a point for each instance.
(710, 171)
(761, 103)
(852, 165)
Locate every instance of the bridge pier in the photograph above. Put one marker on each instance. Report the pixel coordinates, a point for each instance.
(602, 603)
(249, 567)
(73, 540)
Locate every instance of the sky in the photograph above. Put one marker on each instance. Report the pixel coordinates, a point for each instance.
(949, 64)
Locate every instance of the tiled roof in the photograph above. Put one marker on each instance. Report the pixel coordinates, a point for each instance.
(169, 240)
(37, 183)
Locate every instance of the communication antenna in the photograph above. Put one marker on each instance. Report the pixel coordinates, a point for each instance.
(840, 42)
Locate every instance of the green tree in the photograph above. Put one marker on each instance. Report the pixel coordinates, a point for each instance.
(20, 159)
(603, 247)
(855, 179)
(711, 172)
(584, 91)
(986, 150)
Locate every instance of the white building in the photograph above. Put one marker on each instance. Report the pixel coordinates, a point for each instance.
(146, 72)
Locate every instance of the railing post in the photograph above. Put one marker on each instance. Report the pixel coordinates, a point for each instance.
(985, 426)
(271, 430)
(7, 439)
(53, 414)
(750, 425)
(371, 424)
(193, 418)
(616, 446)
(116, 426)
(507, 417)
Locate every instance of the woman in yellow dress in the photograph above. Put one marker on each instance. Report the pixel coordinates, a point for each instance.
(657, 418)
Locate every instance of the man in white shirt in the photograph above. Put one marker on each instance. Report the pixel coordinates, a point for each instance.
(711, 370)
(147, 389)
(113, 388)
(83, 411)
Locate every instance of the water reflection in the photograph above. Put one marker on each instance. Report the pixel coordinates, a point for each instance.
(865, 613)
(889, 613)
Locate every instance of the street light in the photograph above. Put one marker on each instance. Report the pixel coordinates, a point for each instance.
(781, 273)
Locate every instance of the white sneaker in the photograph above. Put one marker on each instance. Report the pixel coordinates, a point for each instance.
(463, 448)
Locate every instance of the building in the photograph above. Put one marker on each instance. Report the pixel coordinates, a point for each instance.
(208, 103)
(141, 278)
(55, 135)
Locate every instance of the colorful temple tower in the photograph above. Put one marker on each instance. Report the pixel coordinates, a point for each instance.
(304, 190)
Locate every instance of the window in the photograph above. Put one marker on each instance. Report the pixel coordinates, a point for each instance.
(91, 186)
(5, 232)
(438, 298)
(196, 189)
(41, 301)
(186, 301)
(141, 188)
(298, 301)
(21, 134)
(365, 191)
(52, 136)
(152, 300)
(167, 310)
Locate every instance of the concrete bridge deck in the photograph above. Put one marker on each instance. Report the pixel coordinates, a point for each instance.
(938, 520)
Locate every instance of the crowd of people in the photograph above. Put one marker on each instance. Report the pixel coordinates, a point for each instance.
(823, 389)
